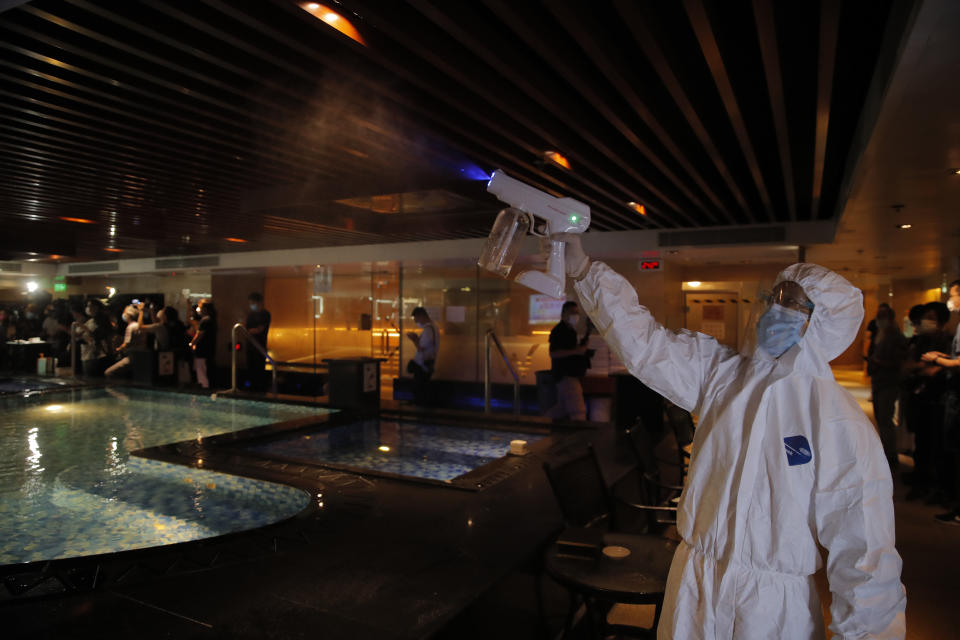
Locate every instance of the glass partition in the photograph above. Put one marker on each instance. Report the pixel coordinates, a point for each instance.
(365, 309)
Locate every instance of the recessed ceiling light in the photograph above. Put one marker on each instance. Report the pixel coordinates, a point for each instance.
(383, 448)
(904, 226)
(241, 240)
(557, 159)
(639, 208)
(955, 172)
(79, 220)
(334, 19)
(694, 283)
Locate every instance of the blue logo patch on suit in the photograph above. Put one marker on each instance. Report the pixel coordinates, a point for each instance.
(798, 450)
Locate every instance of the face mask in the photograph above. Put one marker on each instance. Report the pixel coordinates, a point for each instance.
(421, 324)
(883, 324)
(908, 329)
(928, 326)
(30, 315)
(573, 320)
(779, 328)
(253, 307)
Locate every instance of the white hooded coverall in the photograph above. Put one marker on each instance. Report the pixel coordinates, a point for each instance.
(783, 459)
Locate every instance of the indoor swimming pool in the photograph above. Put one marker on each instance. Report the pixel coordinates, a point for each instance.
(69, 487)
(410, 449)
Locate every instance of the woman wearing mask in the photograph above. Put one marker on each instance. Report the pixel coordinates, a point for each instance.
(204, 344)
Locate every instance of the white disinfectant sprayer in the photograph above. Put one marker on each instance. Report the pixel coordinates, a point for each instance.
(562, 215)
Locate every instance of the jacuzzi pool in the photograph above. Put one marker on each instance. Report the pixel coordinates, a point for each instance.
(68, 486)
(409, 449)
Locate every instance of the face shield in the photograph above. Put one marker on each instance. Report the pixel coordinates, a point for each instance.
(777, 320)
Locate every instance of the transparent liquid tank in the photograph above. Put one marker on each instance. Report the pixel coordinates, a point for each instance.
(503, 244)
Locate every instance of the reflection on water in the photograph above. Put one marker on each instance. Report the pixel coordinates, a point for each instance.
(69, 487)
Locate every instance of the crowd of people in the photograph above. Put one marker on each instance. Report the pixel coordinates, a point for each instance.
(915, 380)
(105, 338)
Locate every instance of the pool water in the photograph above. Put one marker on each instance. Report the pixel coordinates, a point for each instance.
(68, 486)
(412, 449)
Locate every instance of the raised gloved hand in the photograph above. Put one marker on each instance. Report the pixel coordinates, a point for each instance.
(576, 261)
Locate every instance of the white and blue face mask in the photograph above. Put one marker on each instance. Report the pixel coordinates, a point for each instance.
(779, 328)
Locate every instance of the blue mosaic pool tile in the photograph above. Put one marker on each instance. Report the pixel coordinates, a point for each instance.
(69, 487)
(437, 452)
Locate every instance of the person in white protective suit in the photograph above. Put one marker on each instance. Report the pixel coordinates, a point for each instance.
(783, 460)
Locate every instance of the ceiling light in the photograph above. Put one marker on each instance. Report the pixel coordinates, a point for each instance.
(904, 226)
(79, 220)
(334, 19)
(694, 283)
(383, 448)
(113, 250)
(54, 407)
(32, 286)
(111, 291)
(240, 240)
(557, 159)
(956, 172)
(639, 208)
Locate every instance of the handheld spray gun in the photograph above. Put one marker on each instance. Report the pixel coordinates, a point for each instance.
(562, 215)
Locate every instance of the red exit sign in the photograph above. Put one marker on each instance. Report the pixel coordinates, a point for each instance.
(650, 265)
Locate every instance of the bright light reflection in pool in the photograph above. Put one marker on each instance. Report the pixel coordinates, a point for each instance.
(33, 460)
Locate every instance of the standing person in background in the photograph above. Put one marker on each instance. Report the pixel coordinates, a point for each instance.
(204, 345)
(887, 352)
(93, 334)
(50, 324)
(258, 325)
(30, 324)
(927, 387)
(424, 362)
(950, 436)
(569, 358)
(872, 328)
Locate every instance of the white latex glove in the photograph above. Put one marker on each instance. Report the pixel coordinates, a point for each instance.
(576, 261)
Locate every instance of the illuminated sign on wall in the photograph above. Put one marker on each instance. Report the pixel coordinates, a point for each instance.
(544, 309)
(649, 265)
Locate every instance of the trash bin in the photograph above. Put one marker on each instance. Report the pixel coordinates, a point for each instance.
(354, 383)
(46, 365)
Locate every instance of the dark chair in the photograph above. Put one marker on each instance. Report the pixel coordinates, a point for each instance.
(681, 423)
(600, 582)
(644, 489)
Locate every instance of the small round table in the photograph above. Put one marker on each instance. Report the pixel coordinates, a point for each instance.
(639, 578)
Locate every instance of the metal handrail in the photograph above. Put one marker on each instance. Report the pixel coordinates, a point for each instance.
(492, 337)
(239, 328)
